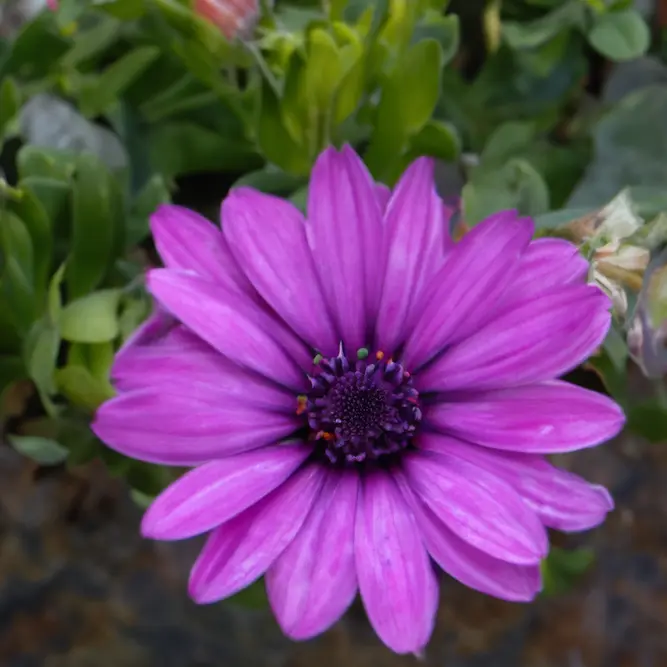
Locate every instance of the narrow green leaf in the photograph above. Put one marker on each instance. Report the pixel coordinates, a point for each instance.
(44, 451)
(102, 92)
(275, 141)
(10, 101)
(407, 103)
(93, 239)
(79, 386)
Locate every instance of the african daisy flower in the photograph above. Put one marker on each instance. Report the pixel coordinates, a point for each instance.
(360, 398)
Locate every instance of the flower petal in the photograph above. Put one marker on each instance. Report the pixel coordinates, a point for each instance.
(548, 417)
(479, 507)
(470, 566)
(547, 264)
(535, 340)
(383, 194)
(396, 580)
(414, 247)
(560, 499)
(166, 425)
(186, 240)
(215, 492)
(345, 235)
(239, 551)
(268, 237)
(314, 580)
(233, 325)
(148, 335)
(476, 271)
(183, 359)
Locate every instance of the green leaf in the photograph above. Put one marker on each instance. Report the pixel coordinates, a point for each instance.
(324, 69)
(10, 101)
(83, 390)
(649, 420)
(41, 354)
(94, 226)
(179, 148)
(154, 193)
(38, 161)
(17, 293)
(516, 185)
(556, 219)
(37, 222)
(532, 34)
(620, 35)
(92, 41)
(44, 451)
(100, 93)
(562, 568)
(96, 358)
(407, 103)
(142, 500)
(443, 29)
(508, 140)
(350, 91)
(251, 597)
(628, 152)
(35, 51)
(437, 139)
(271, 181)
(92, 318)
(275, 141)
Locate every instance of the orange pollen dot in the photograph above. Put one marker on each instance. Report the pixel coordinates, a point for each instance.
(379, 355)
(323, 435)
(301, 403)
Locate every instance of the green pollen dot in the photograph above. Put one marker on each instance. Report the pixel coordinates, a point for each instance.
(362, 353)
(317, 359)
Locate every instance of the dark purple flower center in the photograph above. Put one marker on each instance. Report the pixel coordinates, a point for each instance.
(361, 409)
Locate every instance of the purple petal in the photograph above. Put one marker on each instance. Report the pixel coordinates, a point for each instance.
(535, 340)
(268, 237)
(215, 492)
(479, 507)
(476, 271)
(470, 566)
(240, 551)
(560, 499)
(233, 325)
(545, 418)
(176, 427)
(345, 234)
(396, 580)
(383, 194)
(181, 358)
(314, 580)
(149, 334)
(188, 241)
(414, 247)
(548, 263)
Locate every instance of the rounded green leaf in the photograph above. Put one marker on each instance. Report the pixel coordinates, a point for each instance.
(92, 318)
(437, 139)
(517, 185)
(620, 35)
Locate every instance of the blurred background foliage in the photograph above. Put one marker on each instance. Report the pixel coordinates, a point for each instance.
(111, 107)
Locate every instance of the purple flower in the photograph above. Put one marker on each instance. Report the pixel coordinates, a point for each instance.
(358, 397)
